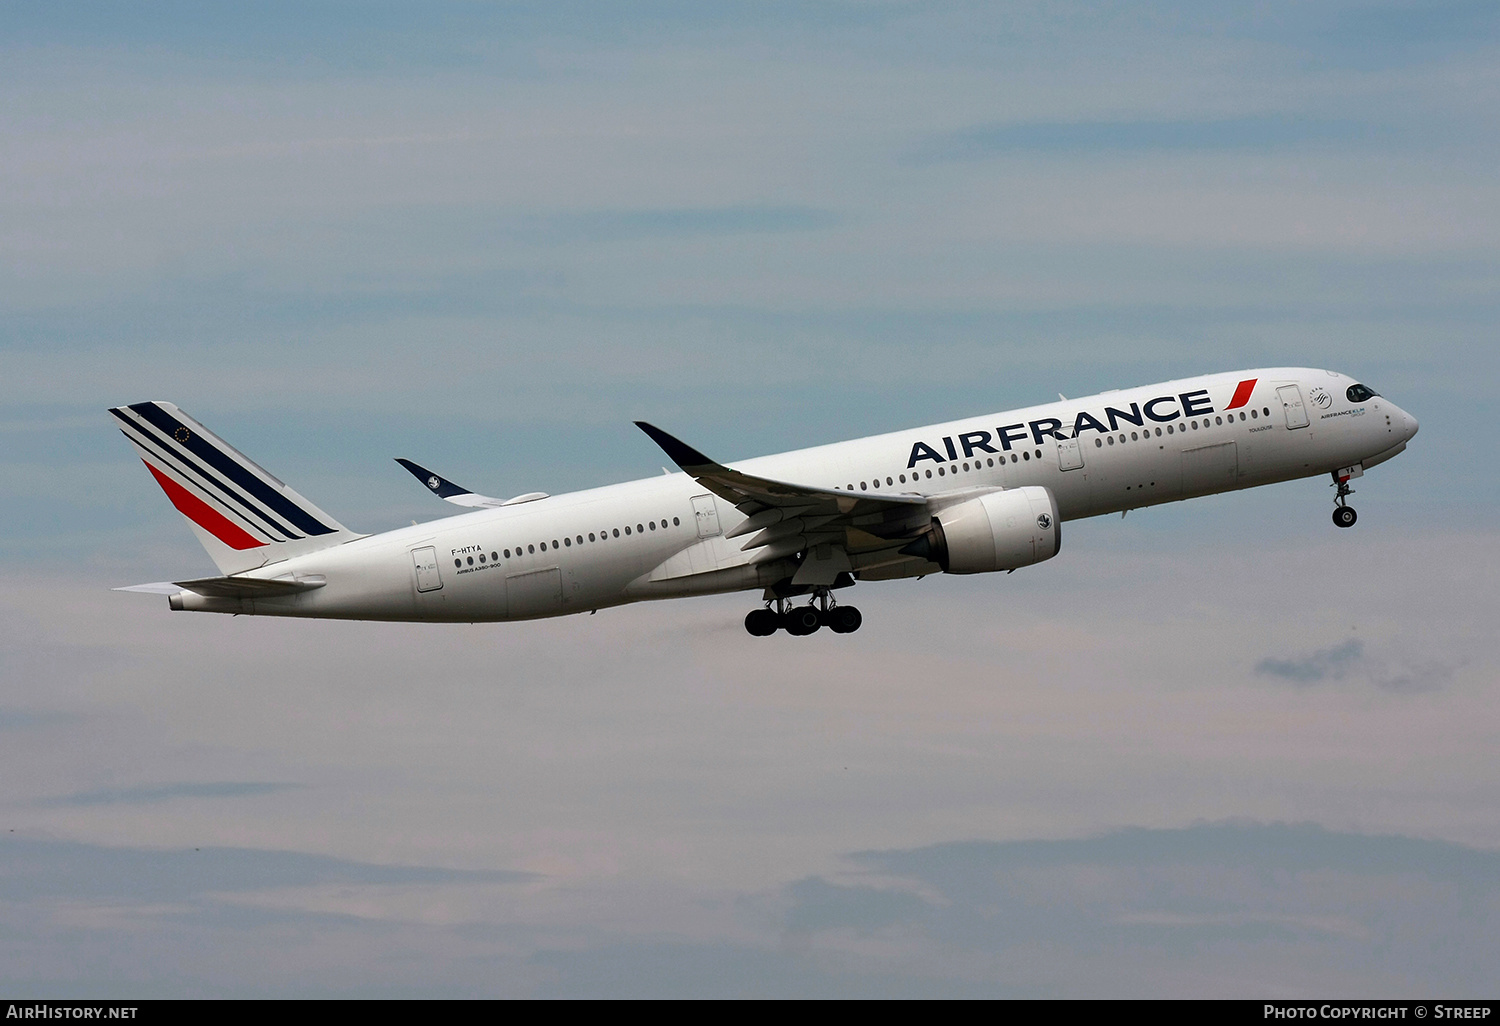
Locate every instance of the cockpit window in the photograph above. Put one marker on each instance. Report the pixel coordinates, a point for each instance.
(1360, 393)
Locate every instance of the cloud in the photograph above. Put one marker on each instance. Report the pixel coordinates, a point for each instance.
(1082, 138)
(1231, 904)
(1325, 664)
(37, 869)
(1349, 660)
(153, 794)
(819, 905)
(12, 718)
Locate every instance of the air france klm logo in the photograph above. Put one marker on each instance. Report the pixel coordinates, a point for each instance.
(1161, 410)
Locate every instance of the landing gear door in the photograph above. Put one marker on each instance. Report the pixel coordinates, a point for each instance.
(1291, 404)
(707, 515)
(429, 578)
(1069, 454)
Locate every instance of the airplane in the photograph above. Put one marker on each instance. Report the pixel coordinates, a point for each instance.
(979, 495)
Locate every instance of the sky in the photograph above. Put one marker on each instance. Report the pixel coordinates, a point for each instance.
(1219, 748)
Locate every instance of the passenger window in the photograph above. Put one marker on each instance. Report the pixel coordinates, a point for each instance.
(1134, 437)
(929, 473)
(568, 542)
(652, 523)
(1169, 429)
(1252, 414)
(532, 548)
(627, 528)
(863, 487)
(507, 553)
(989, 461)
(1266, 410)
(1026, 455)
(903, 479)
(458, 562)
(888, 481)
(1158, 432)
(617, 532)
(591, 536)
(1220, 420)
(1111, 439)
(638, 528)
(676, 522)
(1098, 443)
(580, 539)
(481, 557)
(941, 471)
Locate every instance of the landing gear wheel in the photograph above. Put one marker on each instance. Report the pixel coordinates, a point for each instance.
(802, 621)
(762, 623)
(843, 619)
(1343, 515)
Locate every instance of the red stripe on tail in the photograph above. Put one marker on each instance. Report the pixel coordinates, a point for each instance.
(1242, 394)
(202, 514)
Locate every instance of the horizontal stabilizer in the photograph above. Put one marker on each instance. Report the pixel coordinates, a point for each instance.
(253, 587)
(234, 587)
(156, 588)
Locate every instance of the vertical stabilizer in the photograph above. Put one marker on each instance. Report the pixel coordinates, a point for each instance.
(244, 516)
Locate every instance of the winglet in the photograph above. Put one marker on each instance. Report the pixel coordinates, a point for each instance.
(682, 454)
(439, 485)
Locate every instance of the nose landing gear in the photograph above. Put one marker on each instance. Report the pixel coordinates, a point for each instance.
(800, 621)
(1343, 514)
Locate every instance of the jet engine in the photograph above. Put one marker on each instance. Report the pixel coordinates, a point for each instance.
(997, 531)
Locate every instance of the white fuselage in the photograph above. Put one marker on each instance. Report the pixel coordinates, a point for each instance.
(663, 536)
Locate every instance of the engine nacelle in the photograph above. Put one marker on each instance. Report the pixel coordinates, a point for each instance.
(996, 531)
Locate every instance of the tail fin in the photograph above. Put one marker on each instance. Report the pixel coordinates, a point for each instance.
(241, 513)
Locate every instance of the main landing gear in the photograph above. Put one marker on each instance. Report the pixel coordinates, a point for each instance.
(1343, 515)
(800, 621)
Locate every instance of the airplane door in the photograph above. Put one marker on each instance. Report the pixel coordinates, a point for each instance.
(1291, 404)
(707, 515)
(429, 578)
(1069, 454)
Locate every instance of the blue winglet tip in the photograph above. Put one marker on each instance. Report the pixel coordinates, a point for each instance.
(682, 454)
(436, 483)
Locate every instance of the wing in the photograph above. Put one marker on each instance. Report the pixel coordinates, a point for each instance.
(445, 489)
(458, 495)
(784, 518)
